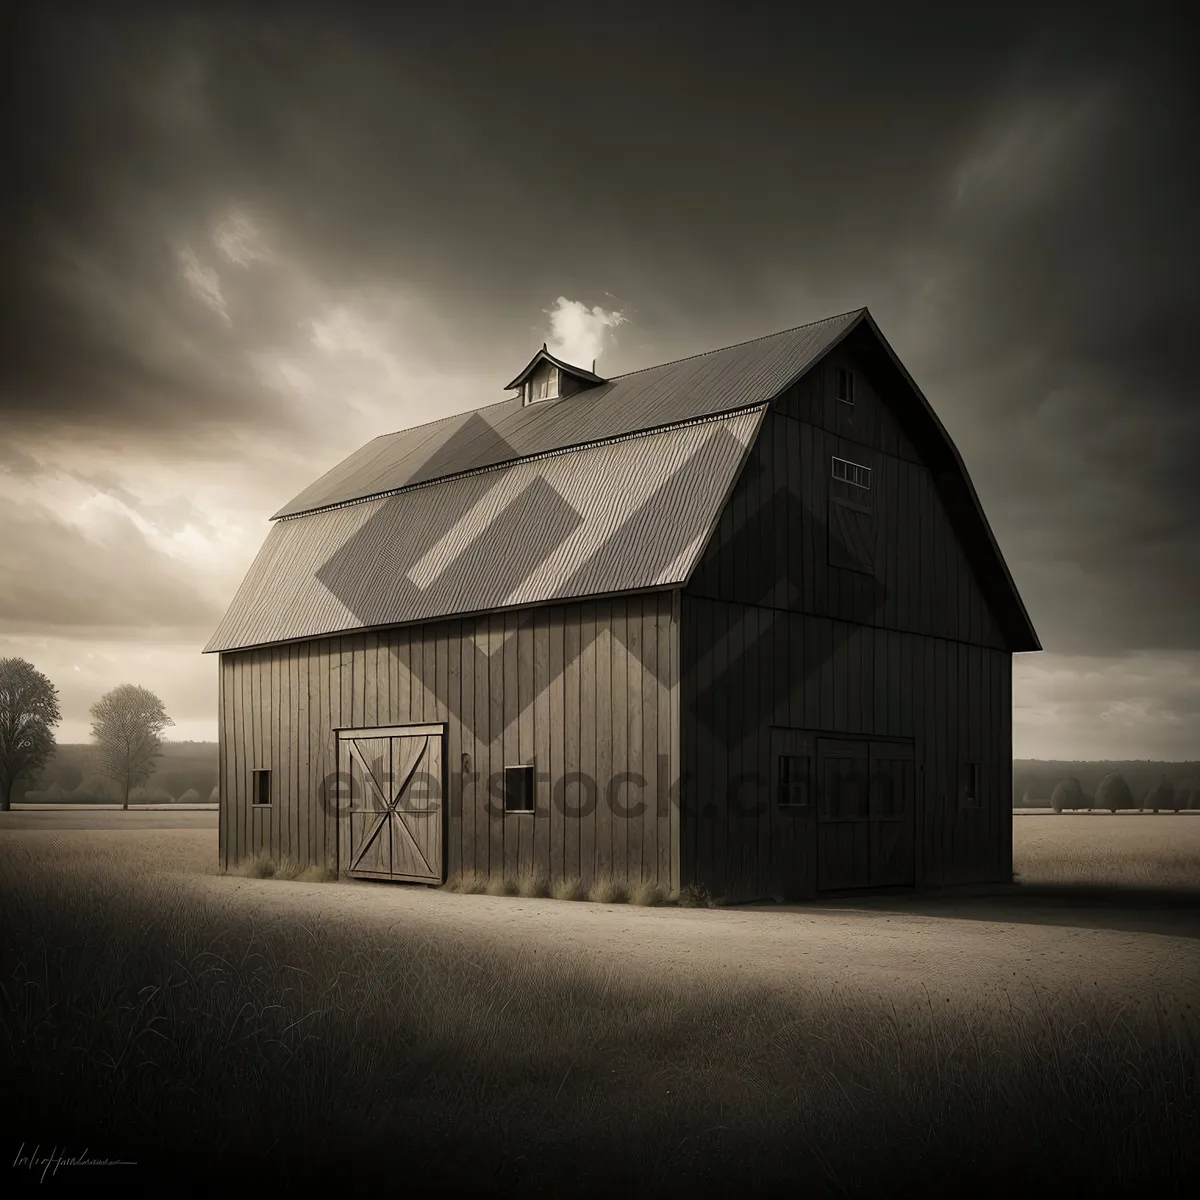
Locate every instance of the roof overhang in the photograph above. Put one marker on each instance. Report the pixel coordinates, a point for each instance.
(544, 355)
(954, 485)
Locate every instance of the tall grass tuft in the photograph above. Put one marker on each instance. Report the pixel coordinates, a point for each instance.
(533, 884)
(571, 888)
(607, 890)
(647, 893)
(261, 865)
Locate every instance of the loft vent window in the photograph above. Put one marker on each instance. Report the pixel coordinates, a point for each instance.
(845, 385)
(518, 789)
(852, 473)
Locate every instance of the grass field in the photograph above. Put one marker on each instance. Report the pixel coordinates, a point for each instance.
(1156, 850)
(234, 1042)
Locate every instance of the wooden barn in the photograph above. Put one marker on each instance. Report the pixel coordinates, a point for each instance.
(737, 620)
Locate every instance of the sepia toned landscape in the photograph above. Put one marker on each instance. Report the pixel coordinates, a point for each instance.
(600, 602)
(273, 1028)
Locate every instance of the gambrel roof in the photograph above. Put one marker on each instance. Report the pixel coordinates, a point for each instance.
(615, 488)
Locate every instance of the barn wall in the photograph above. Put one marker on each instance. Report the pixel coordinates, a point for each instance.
(580, 688)
(748, 667)
(904, 646)
(771, 544)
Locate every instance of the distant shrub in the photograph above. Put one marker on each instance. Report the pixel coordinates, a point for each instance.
(1067, 794)
(214, 797)
(1113, 792)
(191, 796)
(150, 795)
(1162, 795)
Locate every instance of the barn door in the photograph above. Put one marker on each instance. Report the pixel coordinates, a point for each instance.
(392, 827)
(893, 804)
(843, 814)
(866, 814)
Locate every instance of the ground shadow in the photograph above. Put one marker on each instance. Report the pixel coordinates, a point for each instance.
(1172, 911)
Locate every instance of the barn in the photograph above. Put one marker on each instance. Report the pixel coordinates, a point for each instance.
(737, 620)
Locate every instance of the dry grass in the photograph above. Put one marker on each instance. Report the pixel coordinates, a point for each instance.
(139, 1020)
(647, 894)
(1105, 850)
(263, 866)
(607, 890)
(572, 888)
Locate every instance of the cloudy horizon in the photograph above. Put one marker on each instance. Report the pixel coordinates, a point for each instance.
(244, 246)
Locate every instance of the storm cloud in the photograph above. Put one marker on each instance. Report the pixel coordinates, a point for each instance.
(241, 245)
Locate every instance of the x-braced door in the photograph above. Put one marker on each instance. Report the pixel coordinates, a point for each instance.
(392, 826)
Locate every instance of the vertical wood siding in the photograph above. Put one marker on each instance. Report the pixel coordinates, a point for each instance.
(772, 634)
(584, 688)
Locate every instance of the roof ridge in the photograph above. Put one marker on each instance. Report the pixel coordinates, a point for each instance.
(746, 342)
(638, 371)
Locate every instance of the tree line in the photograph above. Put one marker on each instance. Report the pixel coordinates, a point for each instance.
(1114, 794)
(127, 723)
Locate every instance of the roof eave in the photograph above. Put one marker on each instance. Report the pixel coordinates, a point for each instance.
(543, 354)
(1024, 637)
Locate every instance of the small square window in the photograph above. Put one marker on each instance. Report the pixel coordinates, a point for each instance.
(845, 385)
(262, 787)
(793, 779)
(518, 789)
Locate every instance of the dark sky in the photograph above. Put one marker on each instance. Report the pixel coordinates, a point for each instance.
(241, 246)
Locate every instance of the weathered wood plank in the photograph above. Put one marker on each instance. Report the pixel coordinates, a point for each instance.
(617, 794)
(649, 711)
(664, 753)
(541, 740)
(481, 748)
(525, 748)
(604, 740)
(587, 740)
(576, 794)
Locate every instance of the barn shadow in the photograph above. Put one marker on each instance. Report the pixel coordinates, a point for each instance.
(1174, 911)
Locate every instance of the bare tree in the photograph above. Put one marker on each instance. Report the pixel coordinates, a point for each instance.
(28, 710)
(126, 723)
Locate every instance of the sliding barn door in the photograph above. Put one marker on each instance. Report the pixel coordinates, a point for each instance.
(392, 826)
(866, 813)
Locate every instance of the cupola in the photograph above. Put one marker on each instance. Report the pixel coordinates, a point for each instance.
(549, 378)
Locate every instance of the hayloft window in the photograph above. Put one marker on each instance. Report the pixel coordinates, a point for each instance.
(262, 788)
(518, 789)
(845, 385)
(793, 780)
(853, 473)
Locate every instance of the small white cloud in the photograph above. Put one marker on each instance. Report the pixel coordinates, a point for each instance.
(203, 282)
(577, 332)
